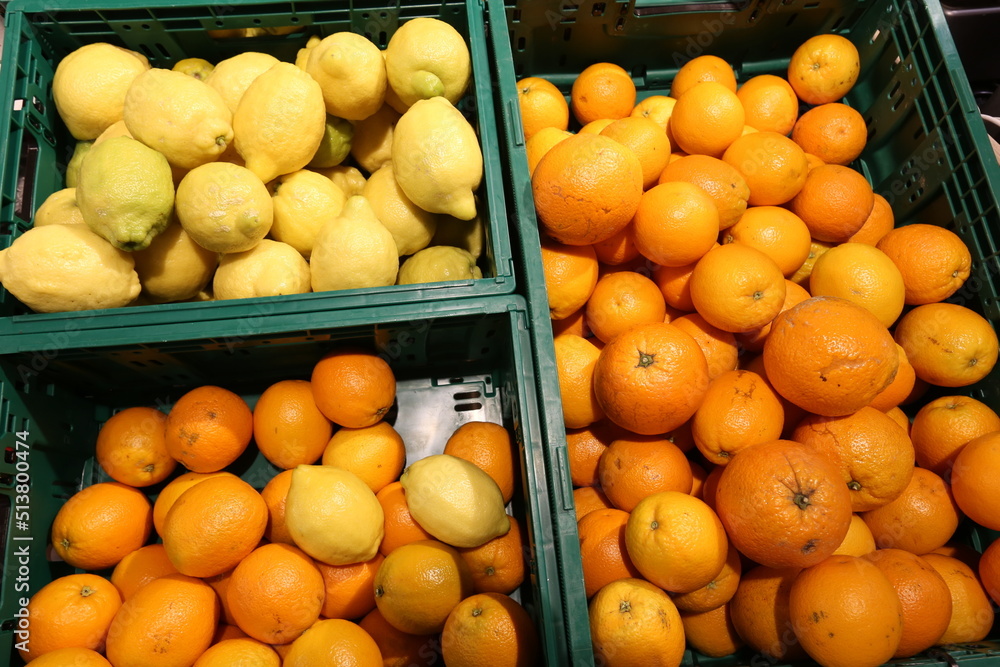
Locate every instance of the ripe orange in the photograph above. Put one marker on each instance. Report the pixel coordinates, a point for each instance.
(770, 104)
(711, 486)
(973, 480)
(737, 288)
(947, 344)
(540, 143)
(74, 611)
(77, 657)
(213, 526)
(699, 476)
(353, 387)
(575, 324)
(773, 165)
(220, 584)
(943, 426)
(100, 525)
(879, 223)
(632, 622)
(139, 568)
(208, 428)
(173, 490)
(962, 552)
(489, 446)
(243, 651)
(169, 621)
(900, 389)
(816, 250)
(834, 132)
(131, 447)
(349, 589)
(924, 595)
(602, 90)
(275, 593)
(575, 360)
(586, 189)
(716, 592)
(863, 274)
(633, 468)
(288, 427)
(707, 119)
(621, 300)
(971, 613)
(675, 224)
(570, 276)
(274, 494)
(933, 260)
(333, 641)
(721, 181)
(647, 140)
(823, 69)
(922, 518)
(829, 356)
(595, 126)
(675, 285)
(783, 504)
(754, 340)
(711, 632)
(489, 628)
(657, 108)
(603, 553)
(858, 541)
(651, 378)
(586, 499)
(776, 232)
(400, 649)
(676, 541)
(699, 70)
(718, 346)
(740, 409)
(618, 249)
(846, 612)
(898, 416)
(989, 571)
(226, 631)
(400, 526)
(834, 202)
(584, 447)
(541, 105)
(760, 614)
(375, 453)
(498, 565)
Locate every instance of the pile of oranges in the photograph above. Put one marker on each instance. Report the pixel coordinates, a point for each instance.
(737, 322)
(209, 574)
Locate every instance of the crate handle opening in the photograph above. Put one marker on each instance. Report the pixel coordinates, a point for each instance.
(26, 166)
(654, 7)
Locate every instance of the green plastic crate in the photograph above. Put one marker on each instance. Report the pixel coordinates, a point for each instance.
(452, 366)
(927, 153)
(37, 146)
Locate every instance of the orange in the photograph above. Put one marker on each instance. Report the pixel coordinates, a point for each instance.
(834, 132)
(793, 413)
(899, 389)
(681, 436)
(208, 428)
(651, 378)
(400, 649)
(173, 490)
(657, 108)
(353, 387)
(349, 588)
(737, 288)
(631, 469)
(943, 426)
(858, 541)
(620, 301)
(333, 641)
(898, 416)
(275, 593)
(699, 475)
(770, 104)
(419, 584)
(816, 250)
(274, 494)
(288, 427)
(863, 274)
(489, 629)
(74, 611)
(675, 224)
(603, 553)
(540, 143)
(595, 126)
(618, 249)
(718, 346)
(962, 552)
(813, 161)
(131, 447)
(576, 323)
(77, 657)
(874, 455)
(248, 652)
(934, 261)
(220, 584)
(699, 70)
(584, 447)
(846, 613)
(879, 223)
(921, 519)
(570, 276)
(829, 356)
(707, 119)
(586, 189)
(586, 499)
(740, 409)
(773, 165)
(575, 360)
(139, 568)
(603, 90)
(376, 453)
(489, 446)
(169, 621)
(776, 232)
(718, 591)
(759, 610)
(226, 631)
(213, 526)
(924, 595)
(711, 632)
(989, 571)
(971, 612)
(100, 525)
(823, 69)
(711, 486)
(632, 622)
(754, 340)
(834, 202)
(675, 285)
(541, 105)
(948, 345)
(647, 140)
(676, 541)
(498, 565)
(722, 182)
(400, 526)
(973, 480)
(783, 504)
